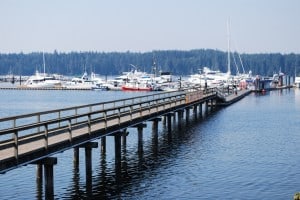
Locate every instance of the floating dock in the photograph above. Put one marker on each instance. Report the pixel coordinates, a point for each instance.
(50, 88)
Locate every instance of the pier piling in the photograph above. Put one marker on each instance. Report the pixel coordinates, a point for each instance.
(117, 137)
(103, 144)
(76, 156)
(155, 124)
(187, 114)
(48, 174)
(88, 163)
(140, 128)
(124, 136)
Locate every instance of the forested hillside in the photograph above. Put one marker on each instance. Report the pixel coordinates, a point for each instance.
(175, 61)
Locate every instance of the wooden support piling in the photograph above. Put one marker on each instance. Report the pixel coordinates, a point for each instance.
(180, 115)
(140, 128)
(155, 124)
(206, 107)
(195, 109)
(169, 119)
(117, 138)
(200, 110)
(88, 163)
(49, 178)
(124, 137)
(76, 156)
(187, 113)
(103, 144)
(39, 180)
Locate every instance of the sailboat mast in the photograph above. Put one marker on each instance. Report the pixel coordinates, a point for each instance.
(44, 65)
(228, 49)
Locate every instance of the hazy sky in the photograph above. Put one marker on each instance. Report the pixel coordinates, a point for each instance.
(257, 26)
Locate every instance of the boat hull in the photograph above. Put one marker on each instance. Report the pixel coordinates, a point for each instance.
(126, 88)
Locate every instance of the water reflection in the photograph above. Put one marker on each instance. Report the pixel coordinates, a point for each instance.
(76, 177)
(133, 167)
(39, 181)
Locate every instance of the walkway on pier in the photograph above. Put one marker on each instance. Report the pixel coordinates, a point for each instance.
(28, 138)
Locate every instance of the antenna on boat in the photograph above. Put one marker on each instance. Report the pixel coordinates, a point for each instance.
(135, 67)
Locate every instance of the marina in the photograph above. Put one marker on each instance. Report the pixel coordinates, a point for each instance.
(149, 100)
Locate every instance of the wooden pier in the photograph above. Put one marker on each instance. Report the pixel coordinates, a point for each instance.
(34, 138)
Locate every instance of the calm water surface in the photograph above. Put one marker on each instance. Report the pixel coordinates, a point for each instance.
(249, 150)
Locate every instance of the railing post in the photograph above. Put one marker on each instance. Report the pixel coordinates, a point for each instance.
(76, 115)
(119, 116)
(14, 123)
(141, 114)
(38, 121)
(130, 113)
(46, 137)
(59, 115)
(70, 130)
(89, 124)
(16, 145)
(105, 120)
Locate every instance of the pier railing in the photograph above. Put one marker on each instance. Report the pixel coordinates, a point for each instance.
(29, 137)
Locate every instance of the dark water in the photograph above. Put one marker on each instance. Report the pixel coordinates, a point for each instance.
(249, 150)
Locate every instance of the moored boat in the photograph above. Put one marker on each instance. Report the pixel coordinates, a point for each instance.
(83, 82)
(297, 82)
(136, 86)
(100, 86)
(42, 81)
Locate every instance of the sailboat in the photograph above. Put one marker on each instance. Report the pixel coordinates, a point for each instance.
(213, 78)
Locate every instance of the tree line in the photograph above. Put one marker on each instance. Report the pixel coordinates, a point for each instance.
(175, 61)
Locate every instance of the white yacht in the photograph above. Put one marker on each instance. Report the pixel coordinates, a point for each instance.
(208, 77)
(42, 80)
(83, 82)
